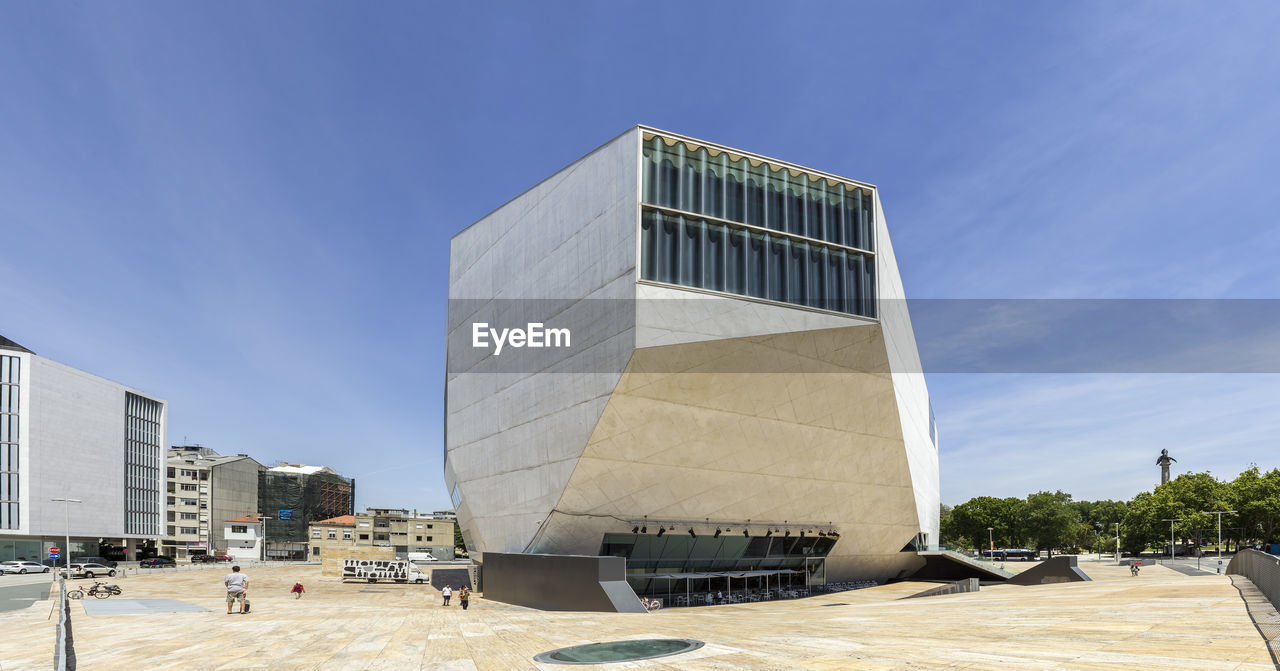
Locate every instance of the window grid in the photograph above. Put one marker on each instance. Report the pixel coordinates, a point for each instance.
(10, 401)
(143, 470)
(746, 227)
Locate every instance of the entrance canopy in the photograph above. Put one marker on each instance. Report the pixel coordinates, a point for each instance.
(712, 574)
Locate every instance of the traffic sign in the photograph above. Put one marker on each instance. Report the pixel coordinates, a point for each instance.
(54, 550)
(53, 555)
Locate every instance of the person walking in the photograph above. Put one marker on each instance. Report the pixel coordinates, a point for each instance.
(446, 593)
(237, 585)
(298, 590)
(464, 597)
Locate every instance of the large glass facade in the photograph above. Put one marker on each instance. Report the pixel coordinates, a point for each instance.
(743, 226)
(10, 399)
(142, 467)
(650, 555)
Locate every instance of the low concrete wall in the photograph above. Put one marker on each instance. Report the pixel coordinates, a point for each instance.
(331, 562)
(1050, 571)
(957, 587)
(559, 582)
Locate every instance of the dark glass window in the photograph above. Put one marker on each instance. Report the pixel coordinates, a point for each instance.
(819, 255)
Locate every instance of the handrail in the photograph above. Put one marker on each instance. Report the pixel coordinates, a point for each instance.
(1262, 569)
(64, 652)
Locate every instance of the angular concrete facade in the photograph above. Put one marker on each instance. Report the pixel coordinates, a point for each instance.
(694, 410)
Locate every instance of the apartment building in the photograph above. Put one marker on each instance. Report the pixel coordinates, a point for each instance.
(405, 531)
(326, 535)
(205, 488)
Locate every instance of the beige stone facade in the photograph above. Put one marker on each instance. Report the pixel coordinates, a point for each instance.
(401, 532)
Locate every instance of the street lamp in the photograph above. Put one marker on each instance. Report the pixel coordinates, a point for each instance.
(67, 528)
(1220, 513)
(263, 520)
(991, 542)
(1173, 549)
(1117, 542)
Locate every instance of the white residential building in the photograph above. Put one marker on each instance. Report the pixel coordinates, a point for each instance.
(244, 537)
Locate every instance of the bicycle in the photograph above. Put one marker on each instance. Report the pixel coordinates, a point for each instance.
(100, 590)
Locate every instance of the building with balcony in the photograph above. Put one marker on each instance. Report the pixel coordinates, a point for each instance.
(203, 489)
(65, 433)
(709, 367)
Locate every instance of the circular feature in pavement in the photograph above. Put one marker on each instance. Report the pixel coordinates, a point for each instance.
(618, 651)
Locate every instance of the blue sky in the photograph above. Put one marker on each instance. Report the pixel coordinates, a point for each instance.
(245, 207)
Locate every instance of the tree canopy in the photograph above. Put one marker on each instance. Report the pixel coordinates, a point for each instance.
(1054, 520)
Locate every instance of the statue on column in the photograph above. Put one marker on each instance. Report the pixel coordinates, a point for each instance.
(1164, 460)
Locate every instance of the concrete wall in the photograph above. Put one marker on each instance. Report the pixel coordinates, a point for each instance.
(76, 429)
(559, 582)
(513, 438)
(233, 493)
(911, 393)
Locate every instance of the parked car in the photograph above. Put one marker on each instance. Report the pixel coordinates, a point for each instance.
(23, 567)
(157, 562)
(210, 558)
(91, 570)
(94, 560)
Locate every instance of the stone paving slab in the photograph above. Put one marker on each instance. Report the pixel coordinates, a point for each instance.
(1158, 620)
(138, 607)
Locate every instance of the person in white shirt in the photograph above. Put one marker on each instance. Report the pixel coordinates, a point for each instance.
(237, 585)
(446, 593)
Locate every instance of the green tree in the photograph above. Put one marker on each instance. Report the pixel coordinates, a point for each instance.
(1051, 520)
(1192, 496)
(1141, 526)
(971, 519)
(1256, 496)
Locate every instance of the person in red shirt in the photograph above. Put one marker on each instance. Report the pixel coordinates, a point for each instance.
(297, 590)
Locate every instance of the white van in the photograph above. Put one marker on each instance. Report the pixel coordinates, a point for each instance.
(421, 557)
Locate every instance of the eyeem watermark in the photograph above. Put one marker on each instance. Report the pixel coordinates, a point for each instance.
(534, 335)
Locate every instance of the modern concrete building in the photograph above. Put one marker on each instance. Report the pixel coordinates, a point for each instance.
(696, 358)
(65, 433)
(204, 488)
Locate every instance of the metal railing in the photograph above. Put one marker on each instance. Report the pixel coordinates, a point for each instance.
(1262, 569)
(64, 652)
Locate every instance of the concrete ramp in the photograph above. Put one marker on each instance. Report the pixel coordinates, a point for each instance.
(950, 565)
(1050, 571)
(957, 587)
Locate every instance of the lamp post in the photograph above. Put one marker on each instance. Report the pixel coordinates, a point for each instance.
(1117, 542)
(1220, 513)
(67, 528)
(1173, 549)
(991, 543)
(263, 520)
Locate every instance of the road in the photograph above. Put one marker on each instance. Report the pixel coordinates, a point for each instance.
(20, 591)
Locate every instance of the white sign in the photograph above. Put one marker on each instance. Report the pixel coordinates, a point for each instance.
(535, 335)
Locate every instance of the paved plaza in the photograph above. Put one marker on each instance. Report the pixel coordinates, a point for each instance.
(1162, 619)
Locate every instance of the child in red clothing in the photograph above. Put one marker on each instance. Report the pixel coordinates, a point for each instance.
(297, 590)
